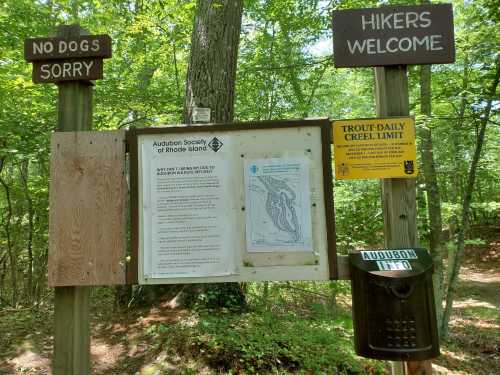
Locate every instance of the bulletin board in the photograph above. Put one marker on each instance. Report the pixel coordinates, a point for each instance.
(232, 202)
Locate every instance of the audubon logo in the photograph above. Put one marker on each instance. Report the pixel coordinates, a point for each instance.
(215, 144)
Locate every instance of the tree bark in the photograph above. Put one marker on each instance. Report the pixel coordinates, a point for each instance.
(212, 64)
(210, 84)
(469, 188)
(271, 100)
(24, 173)
(10, 247)
(432, 188)
(456, 184)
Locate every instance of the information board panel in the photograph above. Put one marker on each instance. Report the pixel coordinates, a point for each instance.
(234, 202)
(375, 148)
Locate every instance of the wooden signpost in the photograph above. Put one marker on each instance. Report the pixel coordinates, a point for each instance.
(67, 70)
(68, 58)
(71, 60)
(393, 35)
(389, 38)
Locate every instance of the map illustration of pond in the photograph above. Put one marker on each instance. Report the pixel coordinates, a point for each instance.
(277, 197)
(280, 206)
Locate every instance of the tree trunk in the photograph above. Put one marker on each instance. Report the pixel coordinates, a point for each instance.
(8, 234)
(24, 172)
(432, 188)
(456, 185)
(469, 188)
(271, 83)
(211, 84)
(212, 65)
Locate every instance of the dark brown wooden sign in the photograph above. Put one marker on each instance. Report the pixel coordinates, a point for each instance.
(40, 49)
(67, 70)
(393, 35)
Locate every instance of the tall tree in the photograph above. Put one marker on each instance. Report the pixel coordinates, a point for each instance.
(211, 84)
(431, 186)
(212, 63)
(490, 95)
(470, 88)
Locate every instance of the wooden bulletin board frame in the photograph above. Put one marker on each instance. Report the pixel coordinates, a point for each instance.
(325, 265)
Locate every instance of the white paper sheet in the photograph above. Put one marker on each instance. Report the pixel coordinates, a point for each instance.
(191, 221)
(278, 208)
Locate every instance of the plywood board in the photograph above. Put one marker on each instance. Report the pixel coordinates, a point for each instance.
(87, 226)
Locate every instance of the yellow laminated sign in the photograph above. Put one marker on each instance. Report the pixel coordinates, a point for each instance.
(375, 148)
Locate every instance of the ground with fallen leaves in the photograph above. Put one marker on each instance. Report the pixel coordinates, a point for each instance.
(121, 343)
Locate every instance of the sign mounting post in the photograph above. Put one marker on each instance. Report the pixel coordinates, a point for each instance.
(398, 194)
(71, 60)
(389, 38)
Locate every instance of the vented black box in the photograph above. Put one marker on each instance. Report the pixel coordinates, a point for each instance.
(394, 314)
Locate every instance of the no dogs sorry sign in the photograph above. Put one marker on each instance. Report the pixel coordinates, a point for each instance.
(67, 59)
(393, 35)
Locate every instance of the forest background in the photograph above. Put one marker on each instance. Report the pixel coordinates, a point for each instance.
(284, 71)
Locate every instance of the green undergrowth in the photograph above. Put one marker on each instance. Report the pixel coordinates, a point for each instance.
(261, 341)
(23, 330)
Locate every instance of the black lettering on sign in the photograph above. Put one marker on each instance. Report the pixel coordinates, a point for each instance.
(39, 49)
(67, 70)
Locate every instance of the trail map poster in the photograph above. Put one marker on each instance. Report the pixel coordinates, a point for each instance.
(278, 213)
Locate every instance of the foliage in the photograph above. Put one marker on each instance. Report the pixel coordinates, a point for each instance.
(285, 70)
(358, 214)
(221, 295)
(262, 341)
(162, 340)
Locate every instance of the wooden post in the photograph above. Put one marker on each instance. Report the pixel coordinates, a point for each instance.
(71, 311)
(398, 194)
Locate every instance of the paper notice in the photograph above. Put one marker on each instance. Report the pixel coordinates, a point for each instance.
(278, 209)
(191, 225)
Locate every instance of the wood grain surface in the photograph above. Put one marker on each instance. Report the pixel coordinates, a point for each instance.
(398, 194)
(87, 227)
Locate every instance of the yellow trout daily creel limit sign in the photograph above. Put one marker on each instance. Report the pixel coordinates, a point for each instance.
(374, 148)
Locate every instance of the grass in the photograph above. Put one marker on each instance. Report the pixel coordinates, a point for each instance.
(262, 341)
(296, 330)
(287, 328)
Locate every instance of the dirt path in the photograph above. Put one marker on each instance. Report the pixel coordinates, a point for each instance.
(474, 344)
(121, 345)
